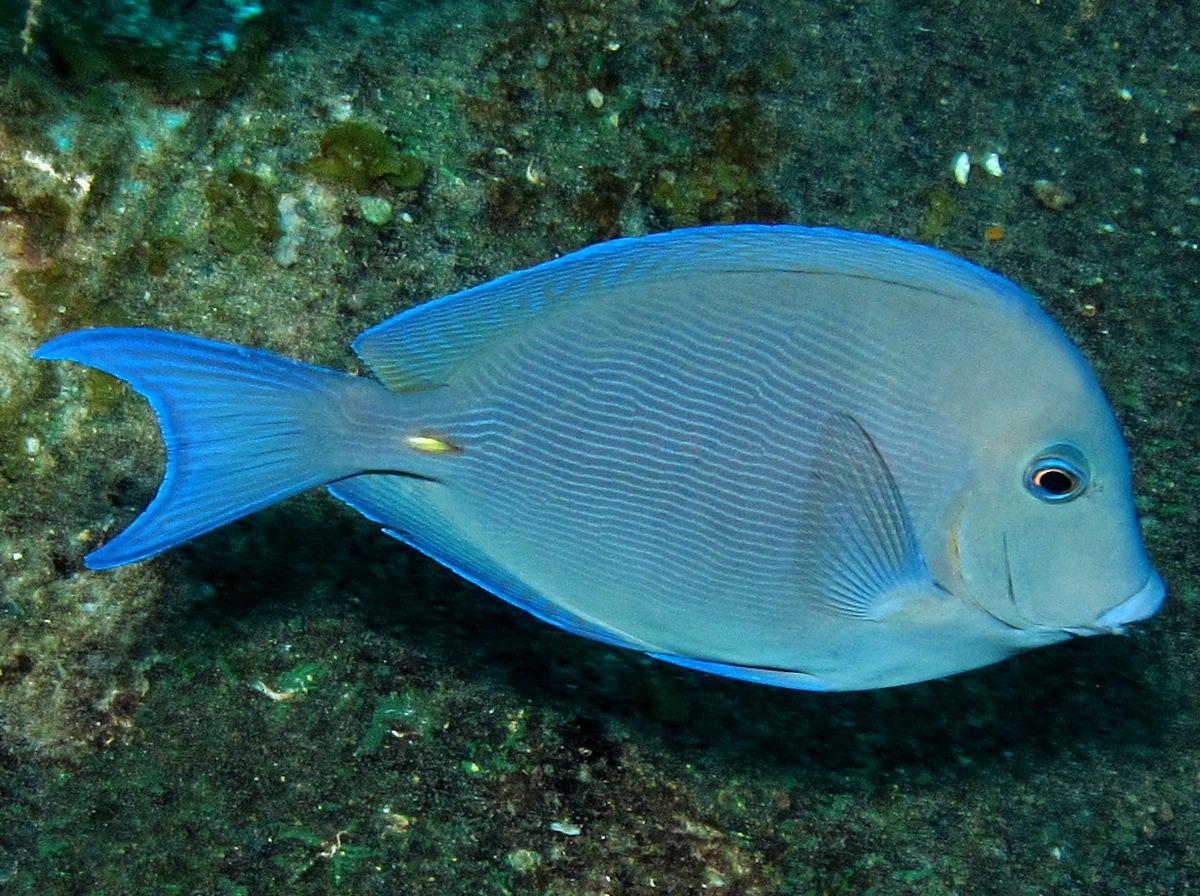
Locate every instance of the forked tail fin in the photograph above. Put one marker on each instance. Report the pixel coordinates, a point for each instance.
(243, 428)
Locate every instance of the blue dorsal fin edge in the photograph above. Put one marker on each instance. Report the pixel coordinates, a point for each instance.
(422, 346)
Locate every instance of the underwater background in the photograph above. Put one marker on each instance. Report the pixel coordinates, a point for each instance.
(297, 703)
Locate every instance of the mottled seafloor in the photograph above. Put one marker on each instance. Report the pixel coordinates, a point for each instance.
(298, 704)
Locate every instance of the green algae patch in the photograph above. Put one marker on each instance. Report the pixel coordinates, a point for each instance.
(402, 716)
(47, 222)
(47, 211)
(62, 292)
(359, 156)
(243, 211)
(301, 678)
(156, 254)
(938, 214)
(712, 191)
(304, 848)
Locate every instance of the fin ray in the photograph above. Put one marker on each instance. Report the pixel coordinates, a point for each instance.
(242, 429)
(868, 555)
(406, 509)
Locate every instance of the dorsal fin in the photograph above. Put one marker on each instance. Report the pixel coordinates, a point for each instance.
(420, 347)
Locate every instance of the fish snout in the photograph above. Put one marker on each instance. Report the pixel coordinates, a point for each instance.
(1143, 604)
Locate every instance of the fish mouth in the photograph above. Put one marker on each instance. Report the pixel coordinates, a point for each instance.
(1143, 604)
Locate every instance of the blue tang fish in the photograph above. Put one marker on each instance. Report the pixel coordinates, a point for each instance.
(798, 456)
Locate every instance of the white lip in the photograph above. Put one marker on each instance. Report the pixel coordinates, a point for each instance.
(1142, 605)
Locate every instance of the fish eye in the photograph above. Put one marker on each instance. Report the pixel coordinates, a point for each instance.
(1057, 475)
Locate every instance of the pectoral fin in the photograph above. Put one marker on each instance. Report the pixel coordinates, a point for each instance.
(865, 555)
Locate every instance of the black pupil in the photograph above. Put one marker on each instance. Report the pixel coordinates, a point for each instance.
(1054, 481)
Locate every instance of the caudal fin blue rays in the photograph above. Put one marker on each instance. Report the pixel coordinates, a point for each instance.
(242, 428)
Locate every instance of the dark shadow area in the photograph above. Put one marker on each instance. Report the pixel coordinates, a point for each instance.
(311, 559)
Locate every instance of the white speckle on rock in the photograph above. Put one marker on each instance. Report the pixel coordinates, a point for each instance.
(375, 209)
(287, 247)
(960, 167)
